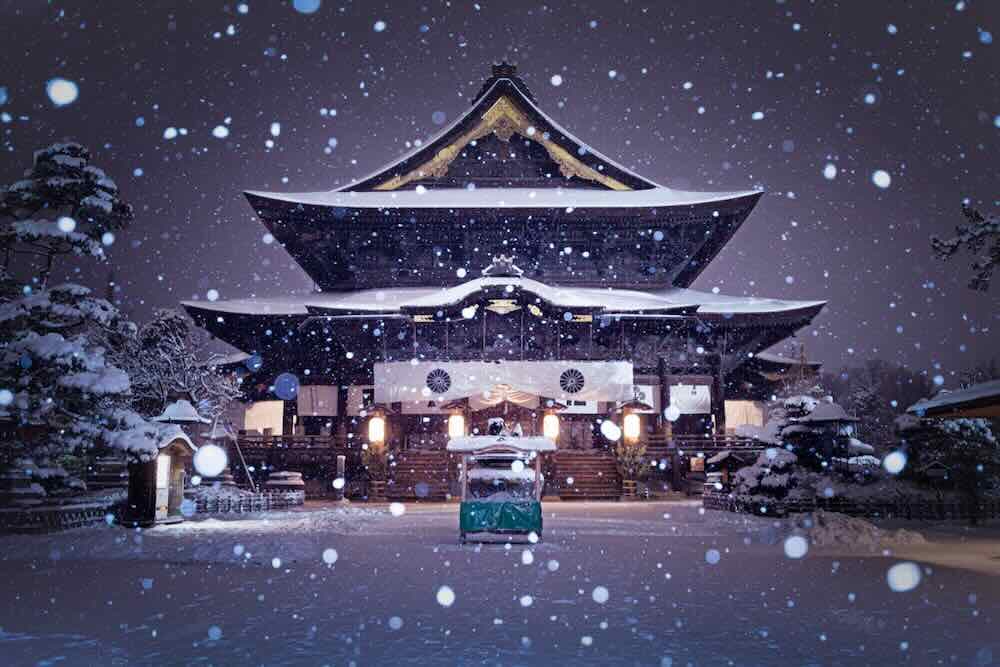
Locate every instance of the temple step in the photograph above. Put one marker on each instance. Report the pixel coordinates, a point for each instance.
(594, 476)
(419, 475)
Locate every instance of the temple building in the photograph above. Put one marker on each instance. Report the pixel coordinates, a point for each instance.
(503, 268)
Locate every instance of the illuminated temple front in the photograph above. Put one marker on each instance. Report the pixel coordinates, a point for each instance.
(502, 268)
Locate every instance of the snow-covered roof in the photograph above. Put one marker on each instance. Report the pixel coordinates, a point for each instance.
(491, 198)
(826, 412)
(773, 358)
(526, 474)
(506, 86)
(478, 443)
(169, 433)
(393, 300)
(181, 411)
(984, 397)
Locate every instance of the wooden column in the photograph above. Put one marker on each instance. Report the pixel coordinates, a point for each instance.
(342, 415)
(661, 371)
(719, 400)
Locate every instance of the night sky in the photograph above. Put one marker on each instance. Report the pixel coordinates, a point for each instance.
(695, 95)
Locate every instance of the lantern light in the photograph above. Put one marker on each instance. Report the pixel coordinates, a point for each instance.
(456, 426)
(550, 426)
(162, 471)
(631, 426)
(376, 428)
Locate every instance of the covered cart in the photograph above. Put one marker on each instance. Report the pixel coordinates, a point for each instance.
(501, 477)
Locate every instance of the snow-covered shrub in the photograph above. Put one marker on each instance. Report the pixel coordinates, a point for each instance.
(772, 476)
(631, 459)
(164, 358)
(65, 396)
(966, 448)
(375, 457)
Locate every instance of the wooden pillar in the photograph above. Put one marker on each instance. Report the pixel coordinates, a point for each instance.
(719, 401)
(141, 507)
(661, 371)
(289, 409)
(342, 416)
(675, 470)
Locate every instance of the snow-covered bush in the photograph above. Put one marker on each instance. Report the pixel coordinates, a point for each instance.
(773, 475)
(164, 359)
(966, 448)
(631, 459)
(64, 395)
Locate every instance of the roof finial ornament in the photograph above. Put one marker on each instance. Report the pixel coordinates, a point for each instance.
(502, 266)
(504, 69)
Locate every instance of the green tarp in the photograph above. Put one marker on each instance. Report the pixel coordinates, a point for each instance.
(515, 517)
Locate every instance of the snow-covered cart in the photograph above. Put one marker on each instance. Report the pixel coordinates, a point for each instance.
(502, 482)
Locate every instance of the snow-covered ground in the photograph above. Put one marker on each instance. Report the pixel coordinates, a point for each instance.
(610, 584)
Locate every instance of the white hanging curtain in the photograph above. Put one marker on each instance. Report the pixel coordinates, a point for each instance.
(448, 380)
(500, 393)
(317, 401)
(691, 399)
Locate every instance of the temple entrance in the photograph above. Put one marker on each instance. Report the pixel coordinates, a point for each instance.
(513, 414)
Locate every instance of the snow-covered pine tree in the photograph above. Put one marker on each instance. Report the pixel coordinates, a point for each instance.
(979, 233)
(63, 205)
(164, 358)
(56, 382)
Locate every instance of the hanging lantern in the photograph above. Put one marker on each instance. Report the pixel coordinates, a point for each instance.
(631, 426)
(456, 426)
(550, 426)
(376, 429)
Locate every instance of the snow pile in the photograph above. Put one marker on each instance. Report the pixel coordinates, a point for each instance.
(834, 530)
(291, 536)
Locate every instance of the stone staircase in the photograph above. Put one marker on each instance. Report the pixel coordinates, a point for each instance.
(419, 474)
(586, 475)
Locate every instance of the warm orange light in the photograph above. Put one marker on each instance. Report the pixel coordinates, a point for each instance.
(550, 426)
(456, 426)
(376, 429)
(631, 426)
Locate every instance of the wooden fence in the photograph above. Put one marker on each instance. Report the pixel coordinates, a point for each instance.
(64, 517)
(249, 502)
(925, 511)
(52, 519)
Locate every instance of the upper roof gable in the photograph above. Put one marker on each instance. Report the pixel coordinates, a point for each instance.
(502, 109)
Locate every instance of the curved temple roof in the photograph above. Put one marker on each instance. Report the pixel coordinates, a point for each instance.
(459, 198)
(615, 301)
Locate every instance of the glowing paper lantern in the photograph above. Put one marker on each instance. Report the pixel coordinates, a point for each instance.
(376, 429)
(456, 426)
(550, 426)
(631, 424)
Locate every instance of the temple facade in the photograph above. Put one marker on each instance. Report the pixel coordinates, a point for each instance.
(502, 268)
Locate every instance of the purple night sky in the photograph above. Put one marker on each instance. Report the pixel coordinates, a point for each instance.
(697, 95)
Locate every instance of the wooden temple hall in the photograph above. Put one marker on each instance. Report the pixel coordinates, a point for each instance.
(502, 268)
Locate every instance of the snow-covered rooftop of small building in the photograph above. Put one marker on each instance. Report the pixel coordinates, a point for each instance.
(394, 300)
(456, 198)
(958, 398)
(181, 411)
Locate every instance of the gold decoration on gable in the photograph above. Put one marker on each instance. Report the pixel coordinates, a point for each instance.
(504, 119)
(503, 306)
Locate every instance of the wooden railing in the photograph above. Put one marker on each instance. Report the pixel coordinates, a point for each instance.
(661, 446)
(253, 441)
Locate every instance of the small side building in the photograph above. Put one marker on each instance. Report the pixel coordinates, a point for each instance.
(156, 487)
